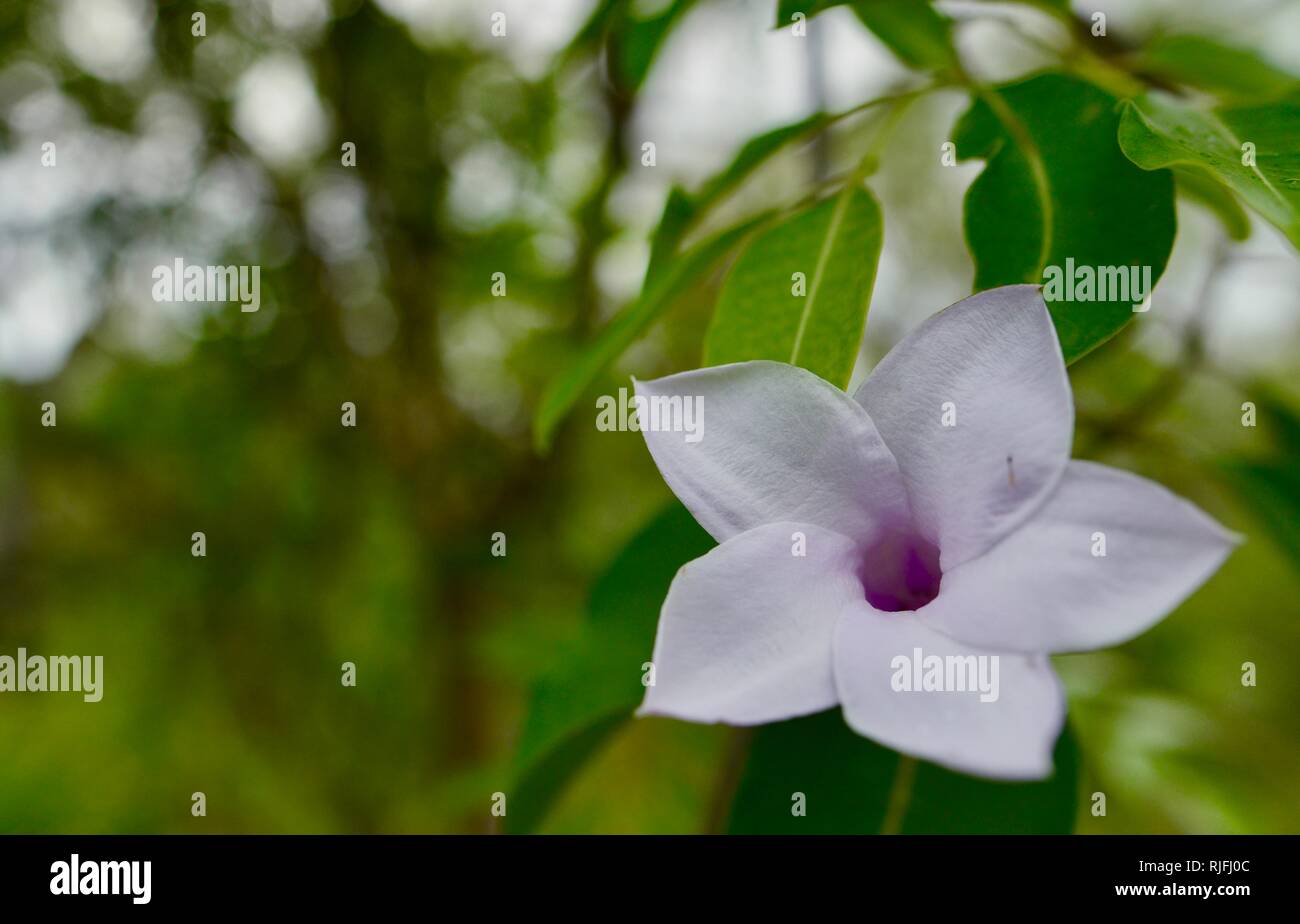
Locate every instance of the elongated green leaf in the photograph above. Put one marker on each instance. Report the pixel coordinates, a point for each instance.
(1276, 419)
(917, 33)
(785, 9)
(1270, 488)
(798, 292)
(912, 29)
(593, 691)
(848, 784)
(589, 37)
(1201, 186)
(1057, 187)
(635, 42)
(1254, 150)
(682, 209)
(660, 291)
(754, 152)
(1209, 65)
(679, 211)
(1269, 482)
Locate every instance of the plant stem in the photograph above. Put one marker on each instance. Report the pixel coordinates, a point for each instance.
(900, 795)
(734, 758)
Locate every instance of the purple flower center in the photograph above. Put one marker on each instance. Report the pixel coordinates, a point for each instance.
(900, 571)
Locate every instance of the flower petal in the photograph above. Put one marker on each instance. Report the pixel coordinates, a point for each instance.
(976, 407)
(1008, 737)
(777, 443)
(1043, 588)
(745, 633)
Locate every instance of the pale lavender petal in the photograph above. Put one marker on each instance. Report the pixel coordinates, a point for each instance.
(745, 634)
(991, 367)
(1007, 737)
(1048, 587)
(777, 443)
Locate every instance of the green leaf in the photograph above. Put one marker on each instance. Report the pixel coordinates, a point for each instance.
(849, 783)
(592, 33)
(678, 214)
(632, 42)
(1201, 186)
(754, 152)
(683, 209)
(835, 246)
(1216, 68)
(588, 696)
(1269, 485)
(785, 9)
(1158, 132)
(1270, 489)
(1276, 419)
(660, 291)
(1057, 186)
(912, 29)
(635, 42)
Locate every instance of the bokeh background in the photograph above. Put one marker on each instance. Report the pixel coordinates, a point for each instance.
(478, 154)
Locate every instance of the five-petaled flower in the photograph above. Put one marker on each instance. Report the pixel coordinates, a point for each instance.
(853, 532)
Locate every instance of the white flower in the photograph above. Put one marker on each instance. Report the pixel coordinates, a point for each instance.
(938, 511)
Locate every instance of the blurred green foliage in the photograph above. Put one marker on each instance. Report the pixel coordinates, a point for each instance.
(372, 544)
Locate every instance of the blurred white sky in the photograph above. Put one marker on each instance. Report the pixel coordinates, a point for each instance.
(723, 76)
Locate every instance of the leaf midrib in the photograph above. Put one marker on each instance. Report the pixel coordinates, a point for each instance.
(819, 271)
(1254, 168)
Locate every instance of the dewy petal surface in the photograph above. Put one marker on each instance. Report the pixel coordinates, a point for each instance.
(1043, 588)
(745, 633)
(777, 443)
(1011, 737)
(991, 363)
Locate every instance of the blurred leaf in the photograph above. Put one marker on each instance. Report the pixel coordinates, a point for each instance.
(834, 245)
(592, 33)
(658, 294)
(785, 9)
(1271, 489)
(912, 29)
(848, 781)
(1057, 186)
(679, 211)
(1209, 65)
(1201, 186)
(632, 41)
(1269, 485)
(683, 209)
(753, 153)
(1158, 132)
(1276, 419)
(586, 698)
(635, 42)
